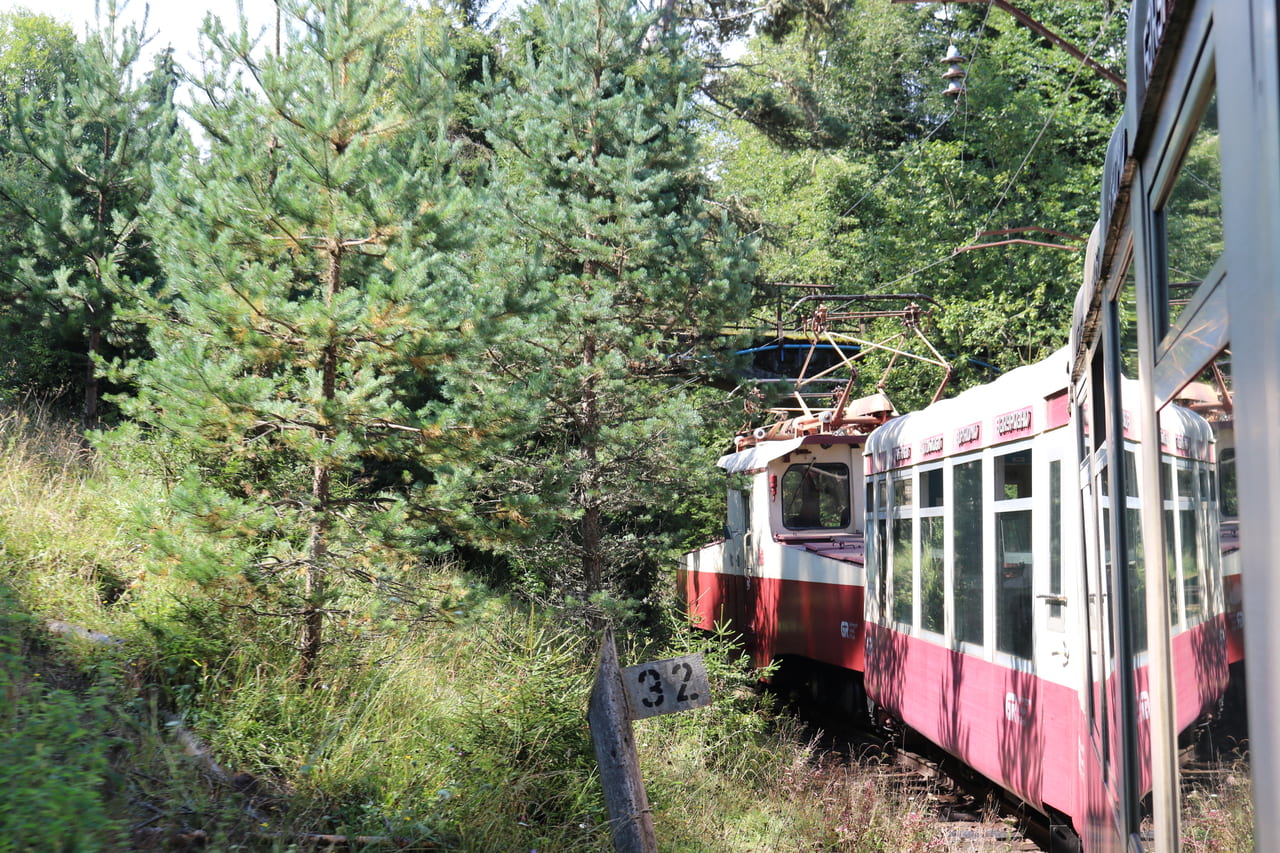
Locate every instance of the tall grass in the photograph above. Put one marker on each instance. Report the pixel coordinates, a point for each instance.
(1217, 814)
(65, 542)
(463, 733)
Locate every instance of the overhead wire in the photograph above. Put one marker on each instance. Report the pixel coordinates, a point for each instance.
(945, 120)
(1048, 121)
(1025, 159)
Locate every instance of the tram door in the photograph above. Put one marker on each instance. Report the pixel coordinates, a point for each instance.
(1100, 773)
(1057, 607)
(1109, 755)
(739, 553)
(738, 532)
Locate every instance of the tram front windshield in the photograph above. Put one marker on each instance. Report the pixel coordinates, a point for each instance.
(815, 496)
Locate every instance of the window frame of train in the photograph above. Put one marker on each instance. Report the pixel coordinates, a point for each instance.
(901, 490)
(972, 498)
(1184, 342)
(1174, 104)
(1136, 557)
(1014, 535)
(1056, 597)
(932, 534)
(969, 564)
(820, 492)
(913, 528)
(738, 516)
(1184, 139)
(876, 546)
(1187, 494)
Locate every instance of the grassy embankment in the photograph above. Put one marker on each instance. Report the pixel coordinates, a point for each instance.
(465, 732)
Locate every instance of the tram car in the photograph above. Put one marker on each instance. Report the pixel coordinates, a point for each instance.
(1017, 638)
(788, 575)
(985, 632)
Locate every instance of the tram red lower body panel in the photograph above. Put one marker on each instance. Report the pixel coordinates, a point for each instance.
(776, 617)
(1011, 726)
(1027, 733)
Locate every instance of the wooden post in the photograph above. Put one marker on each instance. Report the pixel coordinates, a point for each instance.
(630, 821)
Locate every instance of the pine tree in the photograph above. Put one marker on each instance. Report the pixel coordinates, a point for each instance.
(630, 272)
(81, 173)
(313, 260)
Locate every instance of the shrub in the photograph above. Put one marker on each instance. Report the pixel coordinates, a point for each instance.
(53, 755)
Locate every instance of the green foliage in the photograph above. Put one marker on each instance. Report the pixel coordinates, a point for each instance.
(53, 755)
(37, 54)
(315, 290)
(75, 170)
(467, 732)
(921, 175)
(624, 271)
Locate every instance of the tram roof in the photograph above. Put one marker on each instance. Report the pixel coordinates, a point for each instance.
(1021, 403)
(1011, 407)
(757, 457)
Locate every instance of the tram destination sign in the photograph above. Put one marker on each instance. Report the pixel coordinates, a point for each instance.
(666, 686)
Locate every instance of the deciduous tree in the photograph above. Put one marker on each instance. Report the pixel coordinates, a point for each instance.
(925, 175)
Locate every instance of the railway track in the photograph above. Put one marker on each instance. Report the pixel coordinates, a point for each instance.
(970, 814)
(967, 812)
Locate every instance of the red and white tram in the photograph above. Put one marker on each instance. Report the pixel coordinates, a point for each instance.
(1183, 275)
(788, 575)
(1184, 266)
(986, 631)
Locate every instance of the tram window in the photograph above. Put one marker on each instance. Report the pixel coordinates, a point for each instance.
(1055, 544)
(1130, 474)
(1229, 506)
(1191, 217)
(1127, 315)
(1185, 483)
(875, 539)
(1013, 590)
(815, 495)
(1137, 579)
(1171, 560)
(1190, 566)
(1013, 476)
(903, 574)
(932, 551)
(902, 492)
(882, 545)
(969, 534)
(932, 593)
(931, 488)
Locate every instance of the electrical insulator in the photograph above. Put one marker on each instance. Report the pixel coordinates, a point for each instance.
(955, 73)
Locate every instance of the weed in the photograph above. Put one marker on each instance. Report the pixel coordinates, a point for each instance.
(1219, 816)
(54, 766)
(461, 726)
